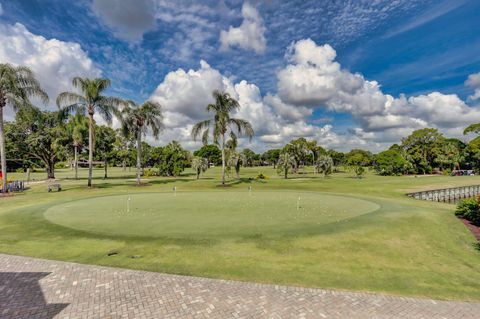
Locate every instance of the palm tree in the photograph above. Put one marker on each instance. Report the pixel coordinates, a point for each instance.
(90, 101)
(77, 128)
(222, 124)
(17, 85)
(324, 164)
(199, 165)
(286, 161)
(136, 120)
(235, 160)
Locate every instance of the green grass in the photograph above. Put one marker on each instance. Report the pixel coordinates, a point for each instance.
(348, 233)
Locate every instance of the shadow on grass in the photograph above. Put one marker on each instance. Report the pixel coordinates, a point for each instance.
(23, 297)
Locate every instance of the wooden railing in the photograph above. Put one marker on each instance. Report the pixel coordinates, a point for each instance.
(447, 195)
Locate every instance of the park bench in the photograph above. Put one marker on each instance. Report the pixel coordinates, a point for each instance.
(51, 187)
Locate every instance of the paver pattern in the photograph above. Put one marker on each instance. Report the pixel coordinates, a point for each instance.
(36, 288)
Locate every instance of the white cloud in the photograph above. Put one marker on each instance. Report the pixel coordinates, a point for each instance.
(473, 81)
(128, 19)
(250, 35)
(54, 62)
(314, 79)
(184, 96)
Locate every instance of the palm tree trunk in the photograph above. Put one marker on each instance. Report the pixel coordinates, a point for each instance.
(90, 149)
(286, 173)
(223, 159)
(139, 156)
(2, 152)
(76, 161)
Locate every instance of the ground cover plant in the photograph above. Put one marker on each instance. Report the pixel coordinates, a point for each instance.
(343, 233)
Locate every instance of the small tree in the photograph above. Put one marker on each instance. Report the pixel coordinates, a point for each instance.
(286, 161)
(324, 165)
(199, 165)
(136, 120)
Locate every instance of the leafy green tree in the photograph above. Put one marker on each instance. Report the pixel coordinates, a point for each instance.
(104, 141)
(211, 152)
(222, 124)
(39, 136)
(90, 101)
(423, 146)
(337, 157)
(250, 158)
(199, 165)
(286, 161)
(358, 159)
(449, 156)
(173, 160)
(17, 85)
(122, 148)
(390, 162)
(271, 156)
(324, 165)
(136, 120)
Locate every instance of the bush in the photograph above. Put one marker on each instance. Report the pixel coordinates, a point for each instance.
(60, 165)
(148, 172)
(469, 209)
(20, 170)
(261, 176)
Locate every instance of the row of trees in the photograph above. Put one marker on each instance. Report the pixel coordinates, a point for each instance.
(45, 138)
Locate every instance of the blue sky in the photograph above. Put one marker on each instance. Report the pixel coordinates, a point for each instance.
(408, 47)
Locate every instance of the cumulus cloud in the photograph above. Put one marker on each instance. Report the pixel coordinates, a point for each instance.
(128, 19)
(250, 35)
(473, 81)
(185, 94)
(314, 79)
(54, 62)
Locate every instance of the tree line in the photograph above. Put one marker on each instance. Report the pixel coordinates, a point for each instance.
(39, 138)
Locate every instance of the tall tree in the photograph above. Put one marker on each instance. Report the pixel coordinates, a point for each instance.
(423, 146)
(90, 101)
(39, 136)
(104, 141)
(136, 120)
(222, 124)
(17, 85)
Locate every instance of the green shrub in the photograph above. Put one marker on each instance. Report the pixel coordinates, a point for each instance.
(469, 209)
(20, 170)
(148, 172)
(60, 165)
(261, 176)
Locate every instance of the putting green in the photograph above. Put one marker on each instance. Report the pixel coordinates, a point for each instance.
(206, 214)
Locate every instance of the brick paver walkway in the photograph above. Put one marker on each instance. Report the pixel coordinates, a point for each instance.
(36, 288)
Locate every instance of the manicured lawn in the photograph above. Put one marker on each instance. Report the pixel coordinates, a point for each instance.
(345, 233)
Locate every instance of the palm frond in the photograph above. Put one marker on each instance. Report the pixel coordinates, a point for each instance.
(198, 128)
(69, 98)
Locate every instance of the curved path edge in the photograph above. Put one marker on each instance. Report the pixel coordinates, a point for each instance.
(39, 288)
